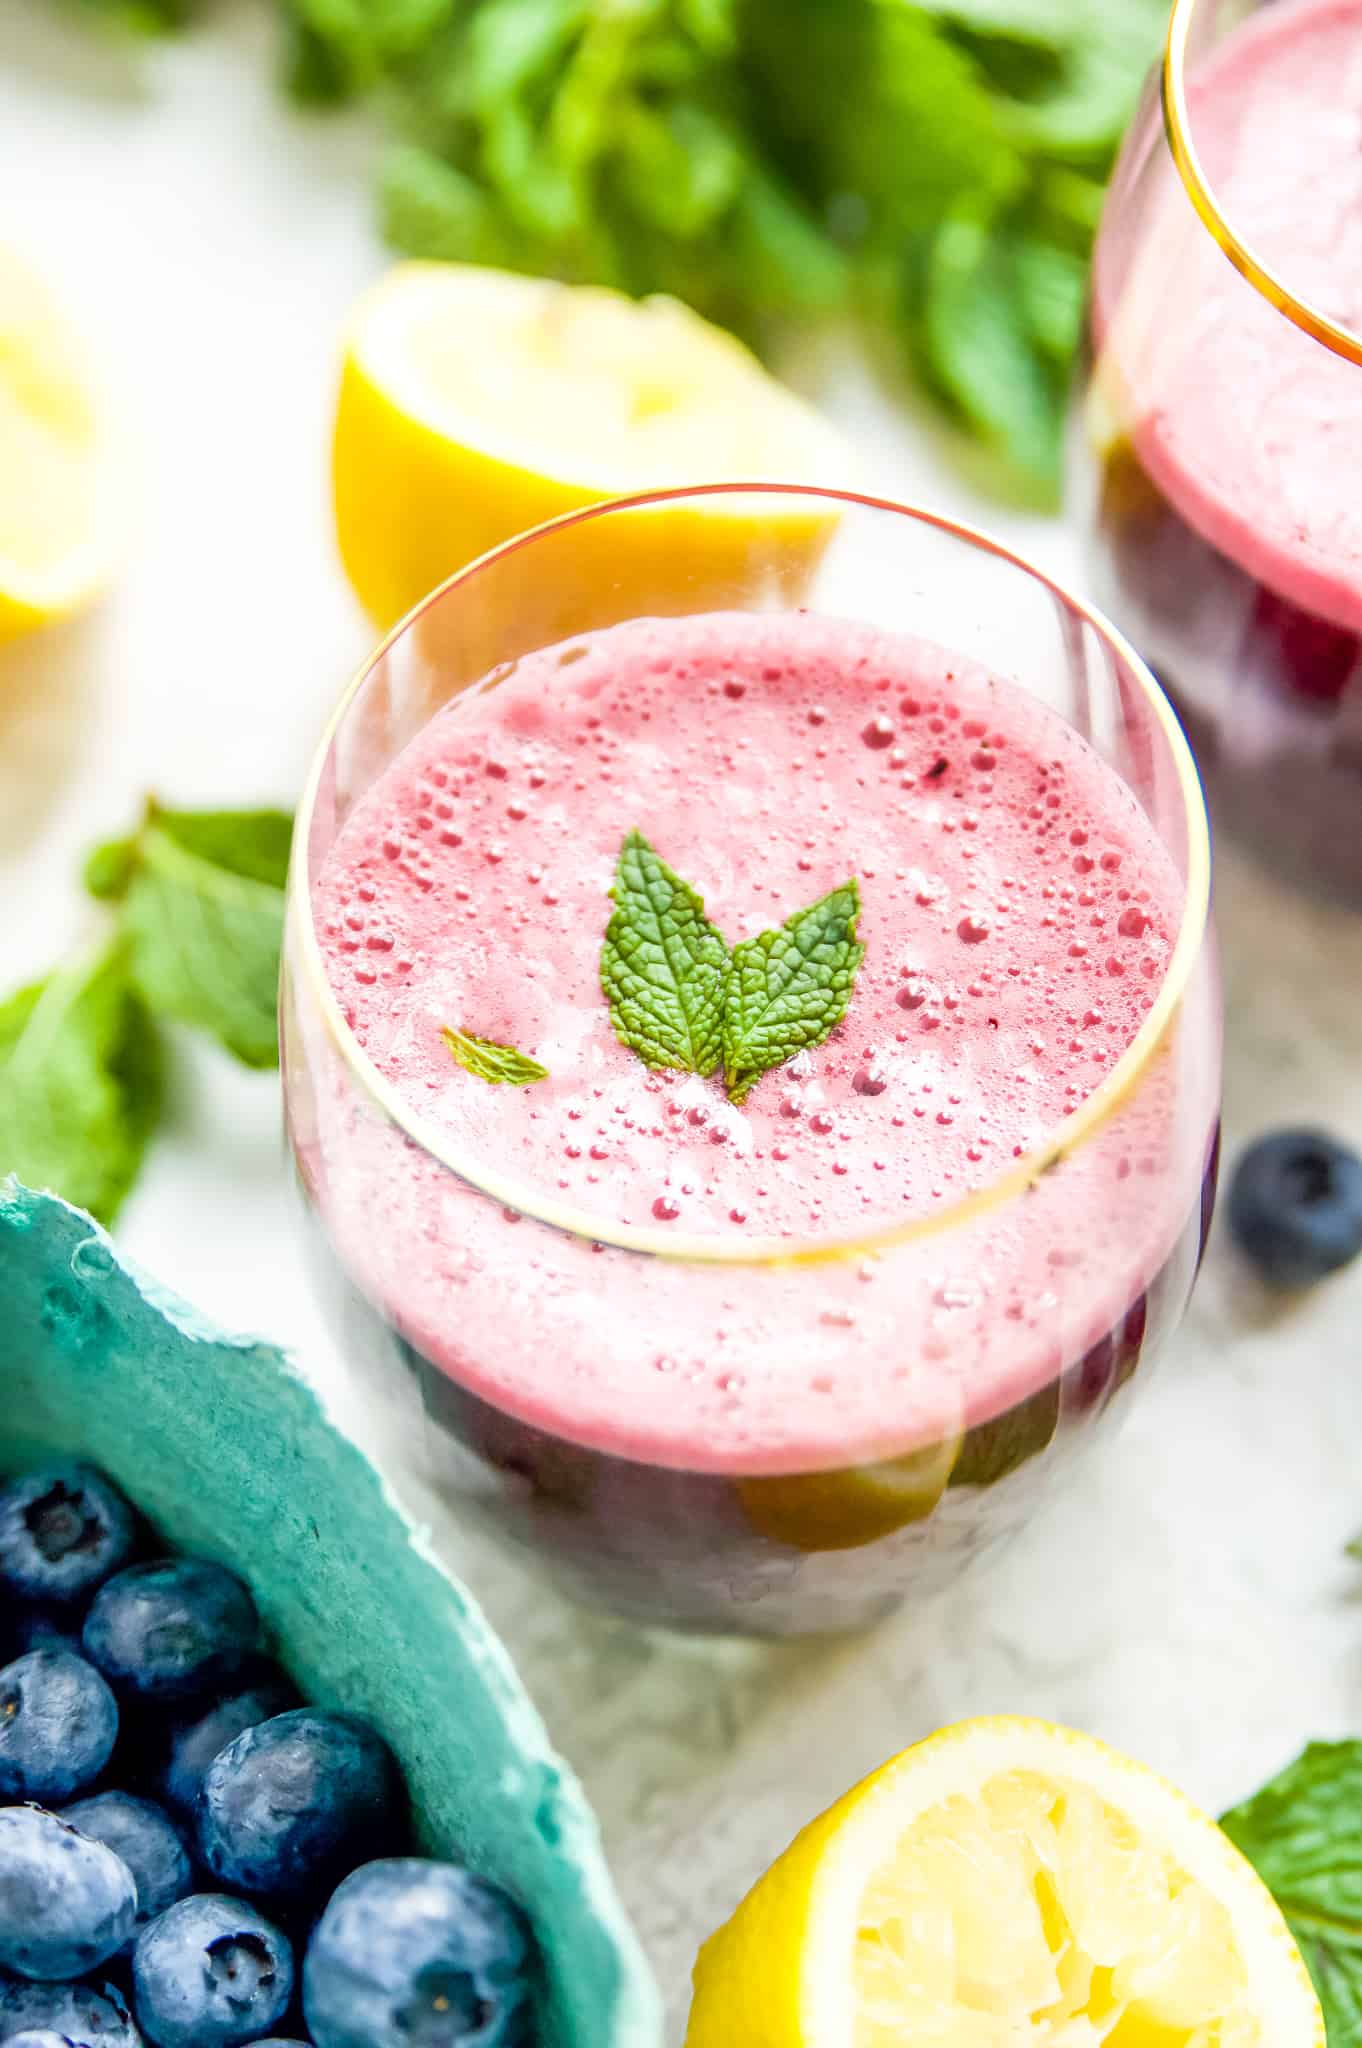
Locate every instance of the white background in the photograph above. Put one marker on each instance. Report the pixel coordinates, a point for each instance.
(1189, 1599)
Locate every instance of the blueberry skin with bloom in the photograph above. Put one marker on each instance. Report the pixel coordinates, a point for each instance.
(88, 2016)
(63, 1530)
(210, 1973)
(66, 1902)
(294, 1803)
(175, 1629)
(194, 1743)
(412, 1952)
(149, 1843)
(1295, 1206)
(39, 2037)
(58, 1725)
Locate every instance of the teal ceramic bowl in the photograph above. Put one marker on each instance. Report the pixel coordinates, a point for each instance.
(226, 1450)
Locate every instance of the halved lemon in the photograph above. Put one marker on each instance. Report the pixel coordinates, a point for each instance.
(57, 515)
(476, 403)
(1007, 1884)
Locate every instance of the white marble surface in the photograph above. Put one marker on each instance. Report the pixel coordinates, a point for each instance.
(1189, 1599)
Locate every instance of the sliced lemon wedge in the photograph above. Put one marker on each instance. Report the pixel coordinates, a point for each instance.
(1007, 1884)
(476, 403)
(57, 511)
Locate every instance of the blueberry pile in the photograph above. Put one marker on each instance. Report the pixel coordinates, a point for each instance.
(189, 1855)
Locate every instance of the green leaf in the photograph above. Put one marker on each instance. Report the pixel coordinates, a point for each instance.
(664, 966)
(790, 988)
(500, 1064)
(80, 1082)
(202, 909)
(979, 347)
(1302, 1836)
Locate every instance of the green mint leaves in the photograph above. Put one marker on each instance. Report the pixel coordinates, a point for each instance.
(202, 907)
(664, 967)
(80, 1081)
(788, 989)
(1301, 1835)
(502, 1065)
(197, 900)
(680, 999)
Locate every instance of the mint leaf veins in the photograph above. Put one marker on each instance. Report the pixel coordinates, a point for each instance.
(1301, 1835)
(680, 999)
(664, 966)
(789, 989)
(500, 1064)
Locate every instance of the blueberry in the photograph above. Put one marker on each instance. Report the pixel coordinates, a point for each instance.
(92, 2017)
(58, 1722)
(194, 1743)
(172, 1630)
(210, 1973)
(149, 1843)
(63, 1531)
(66, 1902)
(1296, 1206)
(294, 1803)
(39, 2037)
(412, 1954)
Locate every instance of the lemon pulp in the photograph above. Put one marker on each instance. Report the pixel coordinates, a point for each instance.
(1031, 1911)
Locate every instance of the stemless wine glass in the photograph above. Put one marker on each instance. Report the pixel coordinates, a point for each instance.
(495, 1330)
(1223, 429)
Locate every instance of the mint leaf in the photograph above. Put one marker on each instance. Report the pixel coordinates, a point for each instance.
(202, 911)
(500, 1064)
(664, 966)
(80, 1082)
(1301, 1834)
(790, 988)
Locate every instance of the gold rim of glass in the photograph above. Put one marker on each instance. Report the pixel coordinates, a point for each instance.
(1178, 128)
(692, 1248)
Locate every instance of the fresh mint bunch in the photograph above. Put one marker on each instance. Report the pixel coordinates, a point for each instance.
(932, 170)
(198, 910)
(680, 999)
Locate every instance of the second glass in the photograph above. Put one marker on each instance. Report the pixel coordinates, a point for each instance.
(1224, 416)
(768, 1364)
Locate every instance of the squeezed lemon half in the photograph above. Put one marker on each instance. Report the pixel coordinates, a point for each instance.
(475, 404)
(1007, 1884)
(57, 487)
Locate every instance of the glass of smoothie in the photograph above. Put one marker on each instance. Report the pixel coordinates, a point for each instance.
(1224, 415)
(751, 1045)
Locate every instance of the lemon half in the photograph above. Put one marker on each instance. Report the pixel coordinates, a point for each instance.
(57, 511)
(475, 404)
(1007, 1884)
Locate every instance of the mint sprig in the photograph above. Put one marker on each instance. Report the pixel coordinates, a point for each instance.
(201, 897)
(664, 966)
(1301, 1835)
(502, 1065)
(789, 989)
(197, 901)
(681, 1000)
(80, 1081)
